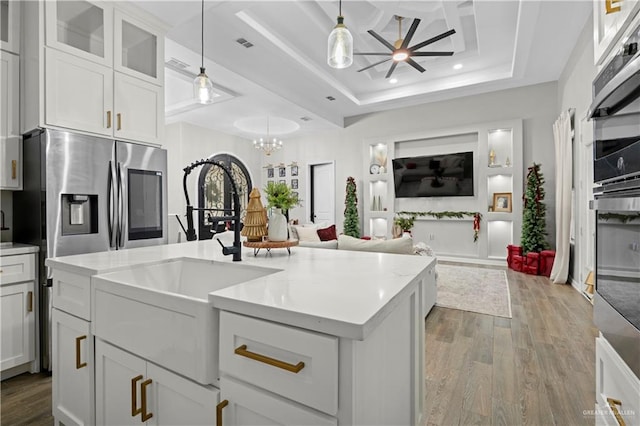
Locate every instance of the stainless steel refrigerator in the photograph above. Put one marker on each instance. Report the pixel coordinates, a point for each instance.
(85, 194)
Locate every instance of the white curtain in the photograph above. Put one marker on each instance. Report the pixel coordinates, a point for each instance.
(564, 171)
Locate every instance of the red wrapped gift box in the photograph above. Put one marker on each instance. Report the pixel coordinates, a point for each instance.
(517, 262)
(511, 252)
(546, 262)
(532, 263)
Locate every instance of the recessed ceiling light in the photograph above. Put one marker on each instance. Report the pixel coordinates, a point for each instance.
(393, 81)
(457, 66)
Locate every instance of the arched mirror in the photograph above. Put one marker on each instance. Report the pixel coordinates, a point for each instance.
(214, 192)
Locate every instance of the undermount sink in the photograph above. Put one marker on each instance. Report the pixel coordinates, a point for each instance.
(161, 312)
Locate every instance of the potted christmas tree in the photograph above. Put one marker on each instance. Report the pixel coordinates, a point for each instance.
(533, 220)
(351, 219)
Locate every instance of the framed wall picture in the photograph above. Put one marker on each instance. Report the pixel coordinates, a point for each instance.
(295, 193)
(502, 202)
(282, 171)
(282, 181)
(269, 173)
(294, 170)
(270, 182)
(294, 183)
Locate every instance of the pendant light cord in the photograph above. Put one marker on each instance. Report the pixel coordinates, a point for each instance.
(202, 35)
(340, 7)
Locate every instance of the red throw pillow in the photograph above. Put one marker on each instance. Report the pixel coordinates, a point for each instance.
(328, 233)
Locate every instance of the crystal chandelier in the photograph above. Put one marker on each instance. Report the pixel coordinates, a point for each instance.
(267, 144)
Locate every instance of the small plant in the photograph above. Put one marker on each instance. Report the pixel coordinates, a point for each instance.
(280, 196)
(405, 223)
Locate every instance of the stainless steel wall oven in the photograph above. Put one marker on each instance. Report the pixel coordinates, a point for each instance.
(616, 110)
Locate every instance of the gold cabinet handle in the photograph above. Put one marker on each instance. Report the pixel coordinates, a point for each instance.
(79, 364)
(30, 301)
(242, 351)
(108, 119)
(14, 169)
(143, 394)
(119, 118)
(612, 405)
(134, 396)
(219, 408)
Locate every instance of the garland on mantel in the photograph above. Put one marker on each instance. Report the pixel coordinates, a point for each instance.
(477, 217)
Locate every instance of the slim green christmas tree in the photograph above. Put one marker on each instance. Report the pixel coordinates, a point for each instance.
(534, 210)
(351, 220)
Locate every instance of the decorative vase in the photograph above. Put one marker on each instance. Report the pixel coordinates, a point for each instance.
(277, 226)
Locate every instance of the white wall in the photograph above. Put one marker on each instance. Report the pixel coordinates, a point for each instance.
(186, 143)
(536, 105)
(574, 91)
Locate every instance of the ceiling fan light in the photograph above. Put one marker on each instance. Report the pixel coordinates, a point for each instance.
(340, 46)
(400, 55)
(203, 88)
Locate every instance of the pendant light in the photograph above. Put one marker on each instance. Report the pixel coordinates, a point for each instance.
(340, 45)
(202, 87)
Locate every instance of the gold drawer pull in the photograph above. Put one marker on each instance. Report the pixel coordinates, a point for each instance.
(143, 391)
(108, 119)
(79, 364)
(30, 301)
(242, 351)
(219, 408)
(14, 169)
(119, 117)
(612, 405)
(134, 396)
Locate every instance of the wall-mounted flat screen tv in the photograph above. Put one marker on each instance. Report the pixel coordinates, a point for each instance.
(444, 175)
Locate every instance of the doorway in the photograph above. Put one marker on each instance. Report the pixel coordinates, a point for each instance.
(322, 193)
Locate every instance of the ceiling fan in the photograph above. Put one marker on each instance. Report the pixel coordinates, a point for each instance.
(400, 50)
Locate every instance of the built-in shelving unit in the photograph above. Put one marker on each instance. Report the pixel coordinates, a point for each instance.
(498, 169)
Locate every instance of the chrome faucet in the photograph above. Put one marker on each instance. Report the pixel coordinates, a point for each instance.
(236, 249)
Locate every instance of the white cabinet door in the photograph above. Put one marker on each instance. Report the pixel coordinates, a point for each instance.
(138, 49)
(79, 93)
(610, 19)
(18, 325)
(247, 405)
(82, 28)
(73, 370)
(119, 379)
(130, 390)
(174, 400)
(10, 25)
(139, 107)
(10, 152)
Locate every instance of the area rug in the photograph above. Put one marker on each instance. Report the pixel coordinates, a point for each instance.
(481, 290)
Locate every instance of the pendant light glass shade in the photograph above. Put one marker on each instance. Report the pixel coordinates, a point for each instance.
(203, 88)
(340, 45)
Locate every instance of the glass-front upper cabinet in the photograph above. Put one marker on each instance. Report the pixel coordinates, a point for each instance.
(82, 28)
(10, 25)
(138, 49)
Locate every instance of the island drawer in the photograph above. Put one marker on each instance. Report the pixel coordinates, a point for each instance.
(17, 268)
(72, 293)
(298, 364)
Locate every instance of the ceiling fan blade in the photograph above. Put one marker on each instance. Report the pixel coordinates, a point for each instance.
(415, 65)
(373, 65)
(433, 40)
(391, 70)
(372, 53)
(381, 40)
(412, 30)
(431, 53)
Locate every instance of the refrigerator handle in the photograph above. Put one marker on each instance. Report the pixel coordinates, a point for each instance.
(120, 233)
(110, 202)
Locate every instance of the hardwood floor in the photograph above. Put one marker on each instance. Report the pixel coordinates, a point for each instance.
(536, 368)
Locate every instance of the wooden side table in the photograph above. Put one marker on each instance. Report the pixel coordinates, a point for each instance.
(257, 245)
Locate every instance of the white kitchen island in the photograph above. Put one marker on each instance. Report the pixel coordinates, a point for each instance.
(180, 334)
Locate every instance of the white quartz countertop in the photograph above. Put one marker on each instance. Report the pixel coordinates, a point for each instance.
(10, 249)
(338, 292)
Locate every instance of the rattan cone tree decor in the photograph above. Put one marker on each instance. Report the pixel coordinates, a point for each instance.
(255, 222)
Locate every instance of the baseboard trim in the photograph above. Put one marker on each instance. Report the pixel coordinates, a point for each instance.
(487, 262)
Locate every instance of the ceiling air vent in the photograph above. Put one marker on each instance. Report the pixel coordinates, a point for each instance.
(331, 98)
(176, 64)
(244, 42)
